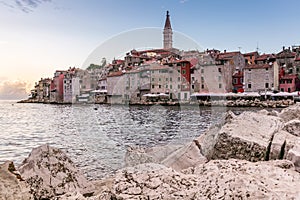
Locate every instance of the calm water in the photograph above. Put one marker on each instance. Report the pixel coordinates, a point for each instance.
(95, 136)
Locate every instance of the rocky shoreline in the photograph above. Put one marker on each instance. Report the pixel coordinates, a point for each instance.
(229, 103)
(254, 155)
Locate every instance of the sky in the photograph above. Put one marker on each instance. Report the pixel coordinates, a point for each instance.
(38, 37)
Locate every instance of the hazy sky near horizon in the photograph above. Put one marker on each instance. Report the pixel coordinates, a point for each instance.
(39, 36)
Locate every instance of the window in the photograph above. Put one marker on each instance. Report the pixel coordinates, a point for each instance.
(183, 71)
(266, 85)
(202, 78)
(167, 79)
(202, 86)
(193, 86)
(249, 85)
(220, 85)
(167, 86)
(185, 95)
(267, 69)
(219, 69)
(178, 87)
(220, 78)
(159, 86)
(202, 70)
(178, 95)
(152, 86)
(249, 70)
(159, 79)
(178, 70)
(170, 86)
(170, 79)
(235, 81)
(289, 89)
(153, 79)
(178, 78)
(193, 78)
(282, 89)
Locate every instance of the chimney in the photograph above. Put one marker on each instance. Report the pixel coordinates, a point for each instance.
(283, 48)
(225, 51)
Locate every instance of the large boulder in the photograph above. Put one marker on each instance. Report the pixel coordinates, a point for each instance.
(290, 113)
(247, 136)
(177, 157)
(293, 127)
(50, 173)
(294, 155)
(217, 179)
(12, 186)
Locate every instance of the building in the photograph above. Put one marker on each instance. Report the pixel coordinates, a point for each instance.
(168, 33)
(180, 77)
(116, 82)
(289, 83)
(238, 82)
(259, 77)
(71, 86)
(251, 57)
(137, 84)
(57, 87)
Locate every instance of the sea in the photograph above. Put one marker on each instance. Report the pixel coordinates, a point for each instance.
(96, 136)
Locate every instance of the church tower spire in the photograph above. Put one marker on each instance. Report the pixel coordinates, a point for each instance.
(168, 33)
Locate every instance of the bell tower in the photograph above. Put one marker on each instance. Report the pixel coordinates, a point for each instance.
(168, 33)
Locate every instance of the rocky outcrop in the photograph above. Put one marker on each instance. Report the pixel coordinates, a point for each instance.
(247, 136)
(217, 179)
(12, 186)
(178, 157)
(50, 173)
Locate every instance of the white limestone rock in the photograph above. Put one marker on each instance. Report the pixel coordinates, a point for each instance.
(247, 137)
(290, 113)
(293, 127)
(294, 155)
(50, 173)
(12, 186)
(217, 179)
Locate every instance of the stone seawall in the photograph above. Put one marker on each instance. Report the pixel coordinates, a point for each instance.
(228, 103)
(247, 156)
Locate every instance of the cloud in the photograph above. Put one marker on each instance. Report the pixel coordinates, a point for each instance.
(13, 89)
(24, 5)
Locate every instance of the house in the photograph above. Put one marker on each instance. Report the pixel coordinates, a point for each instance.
(137, 84)
(289, 83)
(116, 82)
(71, 86)
(259, 77)
(180, 77)
(57, 87)
(251, 57)
(286, 59)
(237, 82)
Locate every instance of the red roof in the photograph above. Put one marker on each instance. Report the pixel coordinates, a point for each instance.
(286, 54)
(297, 59)
(251, 53)
(265, 57)
(289, 76)
(257, 66)
(238, 74)
(227, 55)
(118, 73)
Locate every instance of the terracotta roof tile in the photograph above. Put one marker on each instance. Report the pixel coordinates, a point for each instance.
(257, 66)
